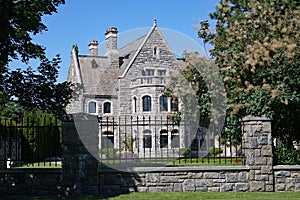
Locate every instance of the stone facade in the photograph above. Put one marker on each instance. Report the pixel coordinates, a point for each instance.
(125, 81)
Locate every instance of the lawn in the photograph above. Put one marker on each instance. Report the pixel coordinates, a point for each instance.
(212, 161)
(187, 196)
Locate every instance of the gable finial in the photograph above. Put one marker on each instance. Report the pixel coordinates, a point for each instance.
(154, 21)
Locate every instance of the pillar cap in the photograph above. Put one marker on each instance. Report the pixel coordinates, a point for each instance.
(255, 118)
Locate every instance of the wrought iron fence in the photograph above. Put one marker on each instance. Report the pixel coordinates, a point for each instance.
(33, 142)
(160, 140)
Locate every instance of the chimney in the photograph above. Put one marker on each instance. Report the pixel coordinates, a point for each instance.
(93, 48)
(111, 47)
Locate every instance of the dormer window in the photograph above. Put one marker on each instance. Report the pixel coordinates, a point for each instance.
(155, 50)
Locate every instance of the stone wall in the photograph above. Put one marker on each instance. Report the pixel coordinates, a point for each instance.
(287, 178)
(175, 179)
(35, 182)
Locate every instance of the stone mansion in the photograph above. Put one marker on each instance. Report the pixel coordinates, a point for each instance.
(125, 86)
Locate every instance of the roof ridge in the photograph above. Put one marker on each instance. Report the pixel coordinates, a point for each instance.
(139, 49)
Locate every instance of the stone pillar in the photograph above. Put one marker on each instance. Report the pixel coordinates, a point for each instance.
(79, 154)
(257, 144)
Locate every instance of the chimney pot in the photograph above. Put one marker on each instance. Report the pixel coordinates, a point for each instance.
(93, 48)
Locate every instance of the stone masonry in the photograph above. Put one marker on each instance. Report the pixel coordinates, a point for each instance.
(257, 144)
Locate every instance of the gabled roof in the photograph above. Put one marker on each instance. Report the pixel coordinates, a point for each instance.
(102, 79)
(141, 46)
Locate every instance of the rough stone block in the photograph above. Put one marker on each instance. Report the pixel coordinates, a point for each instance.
(241, 187)
(280, 174)
(231, 178)
(178, 187)
(211, 175)
(189, 185)
(213, 189)
(226, 187)
(266, 169)
(297, 186)
(256, 186)
(280, 187)
(153, 177)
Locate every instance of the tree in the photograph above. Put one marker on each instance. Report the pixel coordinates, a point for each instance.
(19, 21)
(256, 46)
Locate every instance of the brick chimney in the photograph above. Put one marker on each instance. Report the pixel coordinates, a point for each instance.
(93, 48)
(111, 47)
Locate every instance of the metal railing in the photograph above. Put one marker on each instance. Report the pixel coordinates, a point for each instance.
(31, 142)
(159, 140)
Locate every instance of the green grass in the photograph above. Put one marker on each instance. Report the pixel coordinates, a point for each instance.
(187, 196)
(214, 161)
(39, 165)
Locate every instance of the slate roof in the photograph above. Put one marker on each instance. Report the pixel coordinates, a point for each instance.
(102, 79)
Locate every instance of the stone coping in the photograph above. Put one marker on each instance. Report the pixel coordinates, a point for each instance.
(287, 167)
(177, 169)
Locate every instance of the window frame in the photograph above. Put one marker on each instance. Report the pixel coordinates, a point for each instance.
(89, 107)
(110, 107)
(147, 103)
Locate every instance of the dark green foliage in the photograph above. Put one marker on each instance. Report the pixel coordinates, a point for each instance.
(129, 144)
(184, 152)
(215, 150)
(286, 156)
(256, 45)
(39, 90)
(41, 134)
(19, 22)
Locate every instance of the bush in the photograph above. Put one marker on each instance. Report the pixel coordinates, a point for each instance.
(111, 152)
(184, 152)
(286, 156)
(215, 150)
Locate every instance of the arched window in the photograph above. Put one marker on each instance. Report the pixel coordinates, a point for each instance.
(146, 103)
(92, 107)
(134, 105)
(163, 103)
(107, 107)
(163, 138)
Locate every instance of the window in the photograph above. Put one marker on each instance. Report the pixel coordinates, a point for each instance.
(161, 72)
(155, 50)
(107, 139)
(147, 139)
(163, 103)
(174, 139)
(92, 107)
(149, 72)
(146, 103)
(163, 138)
(174, 104)
(134, 104)
(107, 107)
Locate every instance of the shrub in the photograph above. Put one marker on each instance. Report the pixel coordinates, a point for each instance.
(285, 155)
(110, 152)
(215, 150)
(184, 152)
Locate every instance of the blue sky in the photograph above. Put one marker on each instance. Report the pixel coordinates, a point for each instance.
(80, 21)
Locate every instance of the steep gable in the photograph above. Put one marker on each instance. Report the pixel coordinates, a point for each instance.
(153, 50)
